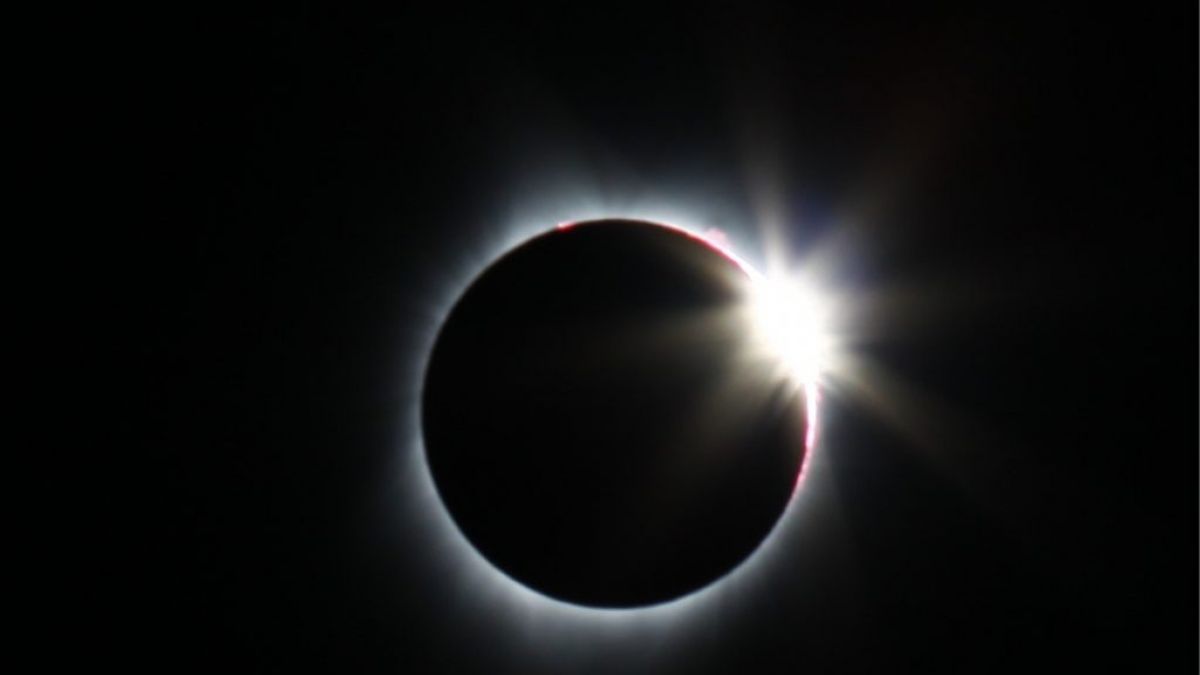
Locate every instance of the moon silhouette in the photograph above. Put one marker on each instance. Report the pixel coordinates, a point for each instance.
(597, 422)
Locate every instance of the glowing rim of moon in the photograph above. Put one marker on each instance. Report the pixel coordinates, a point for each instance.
(490, 585)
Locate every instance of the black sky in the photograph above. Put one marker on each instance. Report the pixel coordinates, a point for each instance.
(1026, 180)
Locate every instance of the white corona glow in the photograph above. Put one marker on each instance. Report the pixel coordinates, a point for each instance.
(790, 319)
(526, 614)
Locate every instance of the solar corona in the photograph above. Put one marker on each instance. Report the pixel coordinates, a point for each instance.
(616, 413)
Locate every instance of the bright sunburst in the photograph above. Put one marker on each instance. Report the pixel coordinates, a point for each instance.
(791, 321)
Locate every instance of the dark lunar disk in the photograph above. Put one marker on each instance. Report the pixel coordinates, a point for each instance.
(599, 422)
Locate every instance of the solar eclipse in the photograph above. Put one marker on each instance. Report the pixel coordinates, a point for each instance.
(615, 413)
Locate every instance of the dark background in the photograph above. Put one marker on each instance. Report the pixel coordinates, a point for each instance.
(1020, 193)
